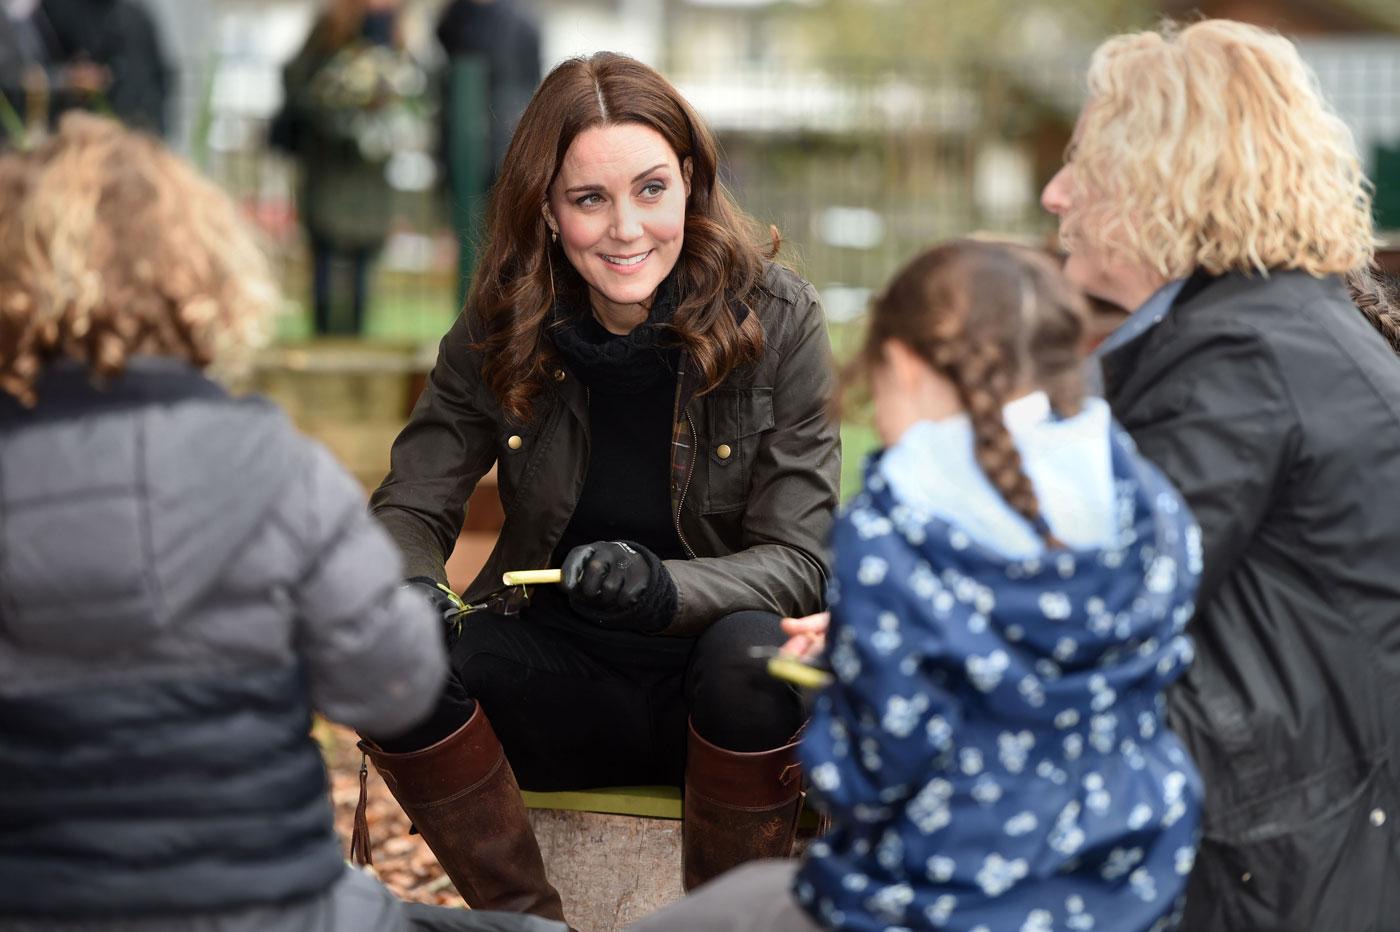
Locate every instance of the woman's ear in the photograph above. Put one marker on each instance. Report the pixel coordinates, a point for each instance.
(549, 220)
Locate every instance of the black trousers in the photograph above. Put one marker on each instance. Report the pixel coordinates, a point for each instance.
(574, 711)
(324, 259)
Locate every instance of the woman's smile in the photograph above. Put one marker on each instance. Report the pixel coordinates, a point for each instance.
(626, 264)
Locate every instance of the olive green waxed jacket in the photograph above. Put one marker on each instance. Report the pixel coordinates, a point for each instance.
(755, 469)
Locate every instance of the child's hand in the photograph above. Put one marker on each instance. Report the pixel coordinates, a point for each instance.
(806, 636)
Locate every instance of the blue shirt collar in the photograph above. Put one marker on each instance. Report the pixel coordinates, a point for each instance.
(1149, 315)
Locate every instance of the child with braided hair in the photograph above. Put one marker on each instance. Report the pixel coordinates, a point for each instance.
(1010, 595)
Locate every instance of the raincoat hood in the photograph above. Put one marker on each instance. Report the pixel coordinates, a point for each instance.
(1043, 627)
(997, 723)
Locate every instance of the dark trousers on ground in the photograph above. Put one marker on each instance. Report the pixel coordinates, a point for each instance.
(573, 710)
(325, 257)
(423, 918)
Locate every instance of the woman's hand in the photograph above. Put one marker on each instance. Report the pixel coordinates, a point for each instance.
(445, 602)
(607, 575)
(619, 584)
(807, 635)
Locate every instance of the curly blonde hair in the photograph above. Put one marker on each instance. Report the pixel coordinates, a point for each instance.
(1210, 147)
(111, 246)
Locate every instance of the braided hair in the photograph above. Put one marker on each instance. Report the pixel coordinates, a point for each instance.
(996, 320)
(1371, 297)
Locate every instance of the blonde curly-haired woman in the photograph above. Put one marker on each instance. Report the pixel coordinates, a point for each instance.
(1209, 187)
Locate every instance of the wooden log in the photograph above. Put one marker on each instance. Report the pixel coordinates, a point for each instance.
(610, 870)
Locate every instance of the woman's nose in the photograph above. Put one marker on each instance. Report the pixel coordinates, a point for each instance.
(627, 222)
(1056, 196)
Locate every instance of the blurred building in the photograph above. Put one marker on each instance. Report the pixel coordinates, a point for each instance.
(859, 147)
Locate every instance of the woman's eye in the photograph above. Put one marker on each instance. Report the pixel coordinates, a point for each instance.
(588, 200)
(653, 189)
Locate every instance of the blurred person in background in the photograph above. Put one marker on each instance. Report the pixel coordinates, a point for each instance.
(1209, 188)
(346, 96)
(482, 105)
(40, 77)
(185, 577)
(1010, 592)
(505, 36)
(112, 60)
(652, 391)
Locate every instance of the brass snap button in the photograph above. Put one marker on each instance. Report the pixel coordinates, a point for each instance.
(723, 451)
(515, 443)
(559, 375)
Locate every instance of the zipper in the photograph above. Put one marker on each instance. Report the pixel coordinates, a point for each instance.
(587, 452)
(690, 474)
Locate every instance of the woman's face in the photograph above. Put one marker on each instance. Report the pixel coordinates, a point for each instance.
(618, 205)
(1097, 273)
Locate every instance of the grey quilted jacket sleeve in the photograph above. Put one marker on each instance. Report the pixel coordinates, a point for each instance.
(374, 650)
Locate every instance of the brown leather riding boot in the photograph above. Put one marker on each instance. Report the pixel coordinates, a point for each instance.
(738, 807)
(462, 796)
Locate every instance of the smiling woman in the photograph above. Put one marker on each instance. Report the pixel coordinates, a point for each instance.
(609, 157)
(652, 390)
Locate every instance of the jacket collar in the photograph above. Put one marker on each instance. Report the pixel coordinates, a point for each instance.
(68, 389)
(1119, 362)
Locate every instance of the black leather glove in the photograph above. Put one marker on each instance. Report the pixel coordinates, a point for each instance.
(621, 585)
(443, 600)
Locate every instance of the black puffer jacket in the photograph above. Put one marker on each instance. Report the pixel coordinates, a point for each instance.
(1275, 409)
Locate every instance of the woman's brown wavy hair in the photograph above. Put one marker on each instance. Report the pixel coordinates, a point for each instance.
(112, 246)
(994, 319)
(521, 271)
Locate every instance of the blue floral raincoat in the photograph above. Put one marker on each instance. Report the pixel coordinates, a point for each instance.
(992, 752)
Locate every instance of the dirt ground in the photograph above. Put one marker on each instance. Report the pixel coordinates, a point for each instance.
(402, 860)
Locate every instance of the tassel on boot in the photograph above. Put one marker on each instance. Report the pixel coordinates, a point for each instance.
(360, 852)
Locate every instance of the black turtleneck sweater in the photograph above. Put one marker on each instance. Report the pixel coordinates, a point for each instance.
(631, 383)
(627, 487)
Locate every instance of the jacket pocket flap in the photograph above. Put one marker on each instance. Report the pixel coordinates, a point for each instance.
(737, 413)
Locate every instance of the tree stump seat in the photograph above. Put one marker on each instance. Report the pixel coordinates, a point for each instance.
(613, 854)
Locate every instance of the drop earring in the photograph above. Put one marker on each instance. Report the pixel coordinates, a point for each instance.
(549, 263)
